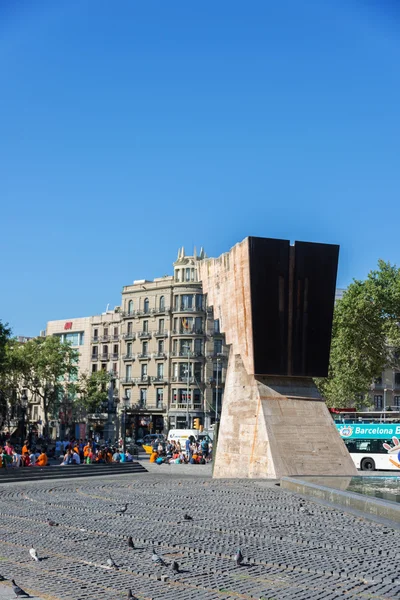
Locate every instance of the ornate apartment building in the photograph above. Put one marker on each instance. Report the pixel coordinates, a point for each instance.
(173, 357)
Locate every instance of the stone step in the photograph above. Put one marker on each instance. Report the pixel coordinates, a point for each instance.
(67, 472)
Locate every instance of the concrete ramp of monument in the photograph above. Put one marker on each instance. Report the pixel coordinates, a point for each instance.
(275, 305)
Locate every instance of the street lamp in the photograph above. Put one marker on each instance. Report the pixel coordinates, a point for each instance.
(24, 406)
(126, 401)
(187, 346)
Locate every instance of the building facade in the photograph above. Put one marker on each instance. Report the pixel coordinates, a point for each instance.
(385, 392)
(173, 355)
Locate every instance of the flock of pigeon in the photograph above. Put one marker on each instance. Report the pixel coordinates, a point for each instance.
(111, 564)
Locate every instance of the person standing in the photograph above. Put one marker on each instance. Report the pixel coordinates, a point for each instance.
(188, 448)
(8, 448)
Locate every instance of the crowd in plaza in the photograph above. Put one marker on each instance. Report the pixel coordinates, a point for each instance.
(75, 452)
(72, 452)
(193, 453)
(78, 451)
(28, 457)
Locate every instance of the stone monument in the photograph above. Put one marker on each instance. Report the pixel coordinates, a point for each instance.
(275, 305)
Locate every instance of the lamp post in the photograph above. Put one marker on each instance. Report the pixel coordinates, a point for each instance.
(24, 406)
(187, 346)
(125, 400)
(109, 431)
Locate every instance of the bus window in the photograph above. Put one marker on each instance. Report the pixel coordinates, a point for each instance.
(363, 446)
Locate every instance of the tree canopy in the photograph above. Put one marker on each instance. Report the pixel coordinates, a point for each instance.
(365, 336)
(46, 366)
(5, 333)
(93, 391)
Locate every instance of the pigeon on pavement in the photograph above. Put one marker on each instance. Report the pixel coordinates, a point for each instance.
(187, 517)
(34, 554)
(123, 510)
(175, 567)
(238, 558)
(111, 563)
(18, 591)
(2, 578)
(130, 542)
(52, 523)
(157, 559)
(131, 596)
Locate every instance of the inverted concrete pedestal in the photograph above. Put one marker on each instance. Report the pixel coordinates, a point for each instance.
(276, 426)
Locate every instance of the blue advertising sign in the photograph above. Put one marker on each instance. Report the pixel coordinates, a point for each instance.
(371, 431)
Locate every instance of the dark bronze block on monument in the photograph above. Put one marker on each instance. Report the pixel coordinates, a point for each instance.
(275, 305)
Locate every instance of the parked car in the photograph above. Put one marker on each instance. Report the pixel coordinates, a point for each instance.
(149, 439)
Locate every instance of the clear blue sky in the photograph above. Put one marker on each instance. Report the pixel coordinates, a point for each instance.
(130, 128)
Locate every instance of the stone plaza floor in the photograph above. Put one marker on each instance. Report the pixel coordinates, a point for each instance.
(293, 548)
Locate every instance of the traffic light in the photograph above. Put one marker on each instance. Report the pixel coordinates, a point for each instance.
(196, 423)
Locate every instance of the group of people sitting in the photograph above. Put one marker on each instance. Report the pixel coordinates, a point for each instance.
(194, 453)
(29, 457)
(77, 452)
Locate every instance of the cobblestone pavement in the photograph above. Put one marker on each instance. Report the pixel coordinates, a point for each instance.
(292, 547)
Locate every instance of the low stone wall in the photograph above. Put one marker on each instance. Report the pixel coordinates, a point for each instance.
(366, 504)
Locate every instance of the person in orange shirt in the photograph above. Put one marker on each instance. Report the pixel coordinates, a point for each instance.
(25, 448)
(153, 457)
(87, 450)
(42, 460)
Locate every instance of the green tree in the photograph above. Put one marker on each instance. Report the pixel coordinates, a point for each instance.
(47, 365)
(365, 336)
(93, 391)
(11, 381)
(5, 333)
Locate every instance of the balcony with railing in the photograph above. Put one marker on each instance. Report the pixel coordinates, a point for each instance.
(159, 379)
(115, 337)
(105, 357)
(142, 379)
(129, 314)
(130, 335)
(160, 334)
(184, 379)
(214, 333)
(114, 356)
(160, 355)
(143, 313)
(179, 406)
(144, 335)
(145, 405)
(143, 356)
(129, 356)
(217, 355)
(189, 309)
(95, 357)
(127, 380)
(96, 339)
(187, 355)
(160, 310)
(105, 338)
(191, 331)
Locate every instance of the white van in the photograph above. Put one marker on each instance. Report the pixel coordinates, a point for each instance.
(181, 435)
